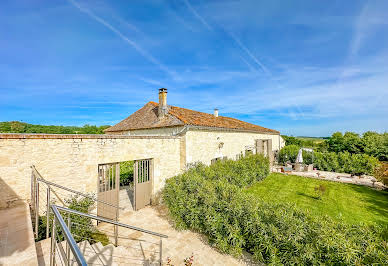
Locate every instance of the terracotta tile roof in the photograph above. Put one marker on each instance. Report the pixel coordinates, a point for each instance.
(147, 117)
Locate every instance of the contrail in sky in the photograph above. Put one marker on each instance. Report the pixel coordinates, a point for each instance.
(239, 43)
(197, 15)
(139, 49)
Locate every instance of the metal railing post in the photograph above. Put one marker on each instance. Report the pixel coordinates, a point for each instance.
(53, 243)
(116, 228)
(160, 252)
(32, 190)
(67, 244)
(33, 207)
(48, 213)
(79, 258)
(36, 209)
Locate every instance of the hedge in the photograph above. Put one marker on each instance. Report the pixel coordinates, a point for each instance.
(343, 162)
(212, 201)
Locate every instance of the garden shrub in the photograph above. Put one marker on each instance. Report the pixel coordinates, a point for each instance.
(308, 157)
(209, 200)
(381, 173)
(82, 228)
(288, 154)
(344, 162)
(355, 164)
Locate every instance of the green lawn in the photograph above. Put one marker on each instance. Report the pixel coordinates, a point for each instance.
(352, 203)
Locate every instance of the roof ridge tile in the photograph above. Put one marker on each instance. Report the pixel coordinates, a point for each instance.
(147, 117)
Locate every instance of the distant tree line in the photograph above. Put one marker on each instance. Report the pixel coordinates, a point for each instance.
(306, 142)
(370, 143)
(20, 127)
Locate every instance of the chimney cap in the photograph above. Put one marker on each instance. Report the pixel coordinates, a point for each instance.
(162, 90)
(215, 112)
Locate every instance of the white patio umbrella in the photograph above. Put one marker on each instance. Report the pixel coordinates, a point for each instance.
(299, 158)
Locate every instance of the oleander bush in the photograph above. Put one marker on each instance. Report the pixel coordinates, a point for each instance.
(212, 201)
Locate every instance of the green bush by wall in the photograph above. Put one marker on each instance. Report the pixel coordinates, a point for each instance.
(82, 227)
(211, 200)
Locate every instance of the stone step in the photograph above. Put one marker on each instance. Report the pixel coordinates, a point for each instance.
(90, 254)
(43, 251)
(134, 249)
(17, 244)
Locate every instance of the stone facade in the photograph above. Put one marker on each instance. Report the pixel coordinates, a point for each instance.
(72, 160)
(205, 145)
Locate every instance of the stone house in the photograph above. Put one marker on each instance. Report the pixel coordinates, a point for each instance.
(204, 137)
(162, 140)
(165, 138)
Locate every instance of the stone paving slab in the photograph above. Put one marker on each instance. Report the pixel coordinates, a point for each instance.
(17, 245)
(178, 246)
(366, 180)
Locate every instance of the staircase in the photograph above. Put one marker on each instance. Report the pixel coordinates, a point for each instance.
(97, 254)
(132, 245)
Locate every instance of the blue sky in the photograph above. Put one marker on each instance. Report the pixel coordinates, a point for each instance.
(302, 67)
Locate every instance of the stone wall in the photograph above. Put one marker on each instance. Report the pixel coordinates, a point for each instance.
(72, 160)
(205, 145)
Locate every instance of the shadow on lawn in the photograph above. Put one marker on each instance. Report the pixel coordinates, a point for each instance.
(377, 202)
(307, 196)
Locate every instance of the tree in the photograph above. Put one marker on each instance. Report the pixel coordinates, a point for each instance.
(376, 145)
(292, 141)
(336, 142)
(20, 127)
(352, 143)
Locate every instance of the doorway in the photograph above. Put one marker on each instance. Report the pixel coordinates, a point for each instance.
(126, 191)
(125, 184)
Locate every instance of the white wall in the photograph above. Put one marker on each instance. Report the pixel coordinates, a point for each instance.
(203, 145)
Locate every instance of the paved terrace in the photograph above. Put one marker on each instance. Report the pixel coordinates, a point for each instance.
(17, 245)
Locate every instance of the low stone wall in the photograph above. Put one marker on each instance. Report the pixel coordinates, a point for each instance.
(72, 160)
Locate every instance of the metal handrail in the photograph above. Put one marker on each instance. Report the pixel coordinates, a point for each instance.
(78, 193)
(41, 179)
(102, 219)
(69, 238)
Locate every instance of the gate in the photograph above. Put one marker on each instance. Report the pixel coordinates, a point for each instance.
(143, 178)
(108, 189)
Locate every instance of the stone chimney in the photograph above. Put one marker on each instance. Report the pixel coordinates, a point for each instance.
(216, 112)
(163, 110)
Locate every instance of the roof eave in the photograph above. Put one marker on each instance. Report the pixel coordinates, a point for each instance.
(233, 129)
